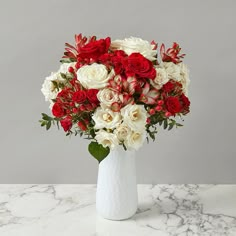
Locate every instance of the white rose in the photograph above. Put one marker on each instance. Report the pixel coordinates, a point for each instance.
(161, 78)
(107, 96)
(134, 116)
(106, 139)
(106, 118)
(184, 78)
(135, 140)
(172, 69)
(94, 76)
(122, 132)
(48, 88)
(132, 44)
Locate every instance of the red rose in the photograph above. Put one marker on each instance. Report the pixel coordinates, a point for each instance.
(66, 123)
(92, 95)
(173, 105)
(168, 87)
(95, 49)
(185, 104)
(82, 125)
(79, 96)
(58, 110)
(137, 65)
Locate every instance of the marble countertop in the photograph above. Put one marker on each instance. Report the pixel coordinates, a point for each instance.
(69, 210)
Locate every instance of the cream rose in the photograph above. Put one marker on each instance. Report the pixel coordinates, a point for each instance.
(94, 76)
(48, 88)
(106, 118)
(135, 140)
(106, 139)
(161, 78)
(132, 44)
(134, 116)
(122, 132)
(107, 96)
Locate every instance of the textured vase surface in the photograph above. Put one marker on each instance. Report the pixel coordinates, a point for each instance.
(117, 197)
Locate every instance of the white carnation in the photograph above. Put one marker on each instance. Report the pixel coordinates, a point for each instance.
(94, 76)
(161, 78)
(106, 139)
(184, 78)
(178, 72)
(106, 118)
(135, 140)
(172, 70)
(65, 66)
(132, 44)
(107, 96)
(134, 116)
(48, 88)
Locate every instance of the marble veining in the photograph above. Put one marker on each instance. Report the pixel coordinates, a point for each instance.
(164, 210)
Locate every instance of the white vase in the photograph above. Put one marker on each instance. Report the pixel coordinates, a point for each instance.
(117, 197)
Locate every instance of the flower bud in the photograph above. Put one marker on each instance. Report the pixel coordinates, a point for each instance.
(158, 108)
(152, 111)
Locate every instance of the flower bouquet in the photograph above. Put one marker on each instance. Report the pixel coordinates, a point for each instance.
(116, 93)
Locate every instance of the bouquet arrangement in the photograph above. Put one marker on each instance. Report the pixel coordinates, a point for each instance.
(117, 92)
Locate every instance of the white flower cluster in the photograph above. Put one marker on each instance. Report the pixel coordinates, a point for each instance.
(168, 70)
(126, 126)
(48, 88)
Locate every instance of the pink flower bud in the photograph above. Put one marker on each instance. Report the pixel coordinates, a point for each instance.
(158, 108)
(152, 111)
(148, 120)
(71, 69)
(167, 114)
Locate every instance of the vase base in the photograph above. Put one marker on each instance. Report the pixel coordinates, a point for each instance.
(117, 217)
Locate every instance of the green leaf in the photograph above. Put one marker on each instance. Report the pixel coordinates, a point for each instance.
(92, 133)
(171, 125)
(67, 60)
(165, 123)
(98, 151)
(63, 75)
(48, 125)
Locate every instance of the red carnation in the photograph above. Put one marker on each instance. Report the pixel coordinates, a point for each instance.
(92, 95)
(137, 65)
(66, 123)
(117, 60)
(168, 87)
(94, 49)
(58, 110)
(173, 105)
(79, 96)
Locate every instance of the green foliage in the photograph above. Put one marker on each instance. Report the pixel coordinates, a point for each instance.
(162, 121)
(67, 60)
(98, 151)
(47, 121)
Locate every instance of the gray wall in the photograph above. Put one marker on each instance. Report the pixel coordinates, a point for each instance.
(33, 34)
